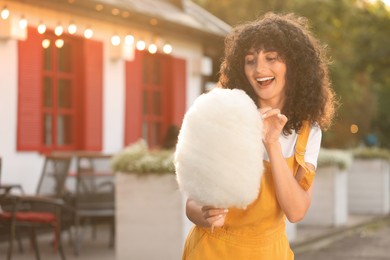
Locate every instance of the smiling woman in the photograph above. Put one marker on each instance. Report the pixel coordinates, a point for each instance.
(282, 67)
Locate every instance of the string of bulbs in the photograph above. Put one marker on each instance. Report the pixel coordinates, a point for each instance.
(88, 33)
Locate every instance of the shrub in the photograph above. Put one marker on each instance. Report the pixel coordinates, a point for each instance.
(138, 159)
(341, 158)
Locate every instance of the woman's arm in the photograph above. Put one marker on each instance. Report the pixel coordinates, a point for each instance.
(205, 216)
(292, 198)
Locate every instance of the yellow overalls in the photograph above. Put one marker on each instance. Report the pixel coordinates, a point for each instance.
(257, 232)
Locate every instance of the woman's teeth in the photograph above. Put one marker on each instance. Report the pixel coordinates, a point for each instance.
(265, 81)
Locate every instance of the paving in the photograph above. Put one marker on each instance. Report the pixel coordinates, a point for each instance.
(363, 238)
(91, 248)
(368, 241)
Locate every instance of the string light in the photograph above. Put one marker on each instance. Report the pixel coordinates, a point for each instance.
(88, 33)
(59, 43)
(167, 48)
(59, 30)
(115, 40)
(41, 28)
(72, 28)
(129, 39)
(354, 128)
(23, 22)
(5, 13)
(141, 45)
(46, 43)
(152, 48)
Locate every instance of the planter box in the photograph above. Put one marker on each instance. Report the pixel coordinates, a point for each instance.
(329, 200)
(149, 217)
(369, 187)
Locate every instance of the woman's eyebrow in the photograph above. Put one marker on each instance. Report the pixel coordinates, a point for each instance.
(250, 52)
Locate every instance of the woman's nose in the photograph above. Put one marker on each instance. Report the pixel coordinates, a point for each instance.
(260, 63)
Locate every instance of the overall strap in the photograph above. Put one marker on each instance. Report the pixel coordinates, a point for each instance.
(303, 137)
(300, 150)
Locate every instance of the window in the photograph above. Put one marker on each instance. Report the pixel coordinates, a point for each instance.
(155, 96)
(59, 110)
(153, 99)
(59, 94)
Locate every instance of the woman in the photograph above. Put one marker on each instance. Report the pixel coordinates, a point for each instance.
(282, 67)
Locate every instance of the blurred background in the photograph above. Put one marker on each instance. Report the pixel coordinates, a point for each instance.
(93, 93)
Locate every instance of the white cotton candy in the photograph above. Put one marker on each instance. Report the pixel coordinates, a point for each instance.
(219, 154)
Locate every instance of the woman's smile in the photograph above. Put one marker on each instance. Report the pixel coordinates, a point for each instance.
(265, 81)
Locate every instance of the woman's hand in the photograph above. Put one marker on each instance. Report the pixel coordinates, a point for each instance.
(273, 123)
(214, 216)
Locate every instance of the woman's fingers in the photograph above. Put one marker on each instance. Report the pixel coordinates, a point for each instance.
(211, 212)
(283, 119)
(273, 123)
(264, 110)
(217, 221)
(214, 216)
(270, 112)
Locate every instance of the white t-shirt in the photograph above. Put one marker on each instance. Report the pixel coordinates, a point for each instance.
(312, 147)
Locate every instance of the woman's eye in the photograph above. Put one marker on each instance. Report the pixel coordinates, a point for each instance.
(250, 60)
(272, 58)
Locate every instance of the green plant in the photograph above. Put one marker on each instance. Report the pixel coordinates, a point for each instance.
(138, 159)
(371, 153)
(341, 158)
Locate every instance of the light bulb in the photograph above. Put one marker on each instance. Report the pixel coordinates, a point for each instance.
(129, 39)
(88, 33)
(59, 43)
(23, 22)
(5, 13)
(152, 48)
(41, 28)
(141, 45)
(167, 48)
(115, 40)
(72, 28)
(59, 30)
(46, 43)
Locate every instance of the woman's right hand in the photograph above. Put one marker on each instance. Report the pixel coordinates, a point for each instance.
(214, 216)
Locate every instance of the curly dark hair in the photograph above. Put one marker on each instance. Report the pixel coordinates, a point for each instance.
(308, 92)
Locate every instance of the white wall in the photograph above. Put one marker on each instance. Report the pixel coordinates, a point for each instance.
(190, 51)
(113, 103)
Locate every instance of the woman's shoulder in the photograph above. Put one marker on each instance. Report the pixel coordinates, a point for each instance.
(315, 133)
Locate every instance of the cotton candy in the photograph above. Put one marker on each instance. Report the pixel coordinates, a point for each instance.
(219, 154)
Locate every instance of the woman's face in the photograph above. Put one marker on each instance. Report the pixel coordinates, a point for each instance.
(266, 72)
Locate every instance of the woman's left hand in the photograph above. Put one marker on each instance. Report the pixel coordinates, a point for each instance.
(273, 123)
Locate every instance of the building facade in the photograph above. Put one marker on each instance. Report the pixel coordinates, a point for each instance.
(97, 75)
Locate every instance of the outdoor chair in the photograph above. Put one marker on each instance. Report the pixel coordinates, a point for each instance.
(94, 201)
(29, 213)
(45, 209)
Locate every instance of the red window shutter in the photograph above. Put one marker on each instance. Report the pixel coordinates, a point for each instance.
(30, 64)
(178, 91)
(93, 95)
(133, 100)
